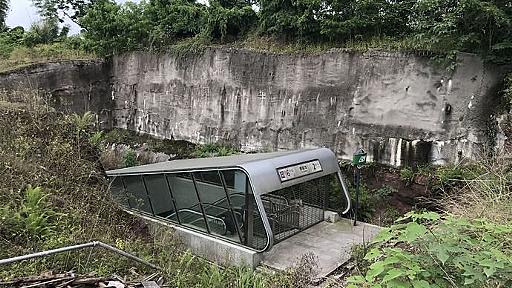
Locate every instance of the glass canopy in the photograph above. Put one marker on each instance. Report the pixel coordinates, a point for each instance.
(222, 201)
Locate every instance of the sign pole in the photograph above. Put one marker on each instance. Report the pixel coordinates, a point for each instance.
(358, 159)
(357, 181)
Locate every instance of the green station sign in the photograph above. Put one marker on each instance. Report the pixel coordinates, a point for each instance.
(359, 158)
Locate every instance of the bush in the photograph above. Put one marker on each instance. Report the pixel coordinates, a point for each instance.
(407, 175)
(434, 251)
(32, 220)
(130, 159)
(214, 150)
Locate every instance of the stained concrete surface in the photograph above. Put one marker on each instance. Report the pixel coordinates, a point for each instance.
(67, 86)
(330, 242)
(400, 108)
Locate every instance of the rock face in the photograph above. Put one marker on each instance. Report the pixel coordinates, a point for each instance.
(397, 107)
(70, 86)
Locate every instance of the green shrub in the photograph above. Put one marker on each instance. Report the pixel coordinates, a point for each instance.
(213, 150)
(32, 220)
(369, 200)
(434, 251)
(452, 175)
(130, 159)
(96, 138)
(119, 136)
(407, 175)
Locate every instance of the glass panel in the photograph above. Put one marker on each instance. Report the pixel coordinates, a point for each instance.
(160, 196)
(189, 210)
(137, 196)
(118, 193)
(255, 230)
(237, 187)
(245, 209)
(216, 205)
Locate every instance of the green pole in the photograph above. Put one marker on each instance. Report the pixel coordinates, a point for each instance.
(357, 181)
(358, 159)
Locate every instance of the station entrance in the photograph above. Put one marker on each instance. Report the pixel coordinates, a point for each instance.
(252, 200)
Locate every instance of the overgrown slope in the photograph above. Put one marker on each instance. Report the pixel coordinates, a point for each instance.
(53, 193)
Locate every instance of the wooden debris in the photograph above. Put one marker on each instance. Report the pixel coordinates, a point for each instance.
(71, 280)
(150, 284)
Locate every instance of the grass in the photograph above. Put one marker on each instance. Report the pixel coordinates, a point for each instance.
(22, 56)
(389, 44)
(253, 41)
(486, 194)
(54, 194)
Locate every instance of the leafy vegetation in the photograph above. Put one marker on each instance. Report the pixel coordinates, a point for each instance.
(467, 245)
(471, 25)
(371, 201)
(130, 159)
(139, 145)
(215, 149)
(54, 193)
(439, 27)
(429, 250)
(442, 179)
(33, 219)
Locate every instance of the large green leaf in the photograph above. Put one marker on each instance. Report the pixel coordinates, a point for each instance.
(392, 274)
(412, 232)
(420, 284)
(375, 270)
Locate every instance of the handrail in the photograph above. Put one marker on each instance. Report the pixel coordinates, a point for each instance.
(200, 214)
(220, 207)
(277, 197)
(78, 247)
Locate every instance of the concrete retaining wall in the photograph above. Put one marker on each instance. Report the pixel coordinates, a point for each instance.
(68, 86)
(398, 107)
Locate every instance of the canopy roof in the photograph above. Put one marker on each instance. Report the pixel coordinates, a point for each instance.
(261, 168)
(222, 162)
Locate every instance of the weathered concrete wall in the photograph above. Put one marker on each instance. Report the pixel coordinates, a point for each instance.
(70, 87)
(397, 107)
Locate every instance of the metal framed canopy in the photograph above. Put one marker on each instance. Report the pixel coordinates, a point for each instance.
(259, 198)
(260, 167)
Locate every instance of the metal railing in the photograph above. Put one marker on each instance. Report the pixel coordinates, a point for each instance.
(77, 247)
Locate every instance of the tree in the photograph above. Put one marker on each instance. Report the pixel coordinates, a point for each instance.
(111, 28)
(4, 9)
(290, 19)
(229, 19)
(465, 25)
(73, 9)
(174, 19)
(45, 32)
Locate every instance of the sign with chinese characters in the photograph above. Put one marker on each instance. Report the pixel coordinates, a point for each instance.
(299, 170)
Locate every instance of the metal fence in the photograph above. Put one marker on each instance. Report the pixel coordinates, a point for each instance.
(298, 207)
